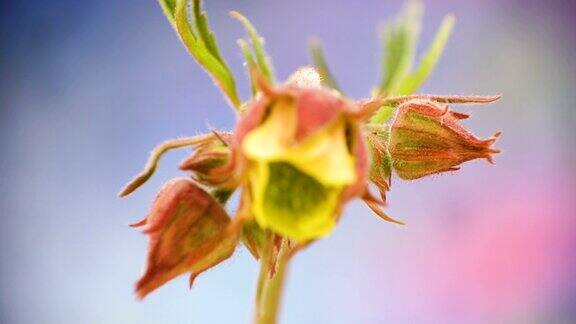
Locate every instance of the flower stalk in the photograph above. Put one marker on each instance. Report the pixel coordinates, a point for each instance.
(271, 283)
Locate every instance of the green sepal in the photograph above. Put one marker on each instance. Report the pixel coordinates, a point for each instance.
(428, 62)
(250, 64)
(222, 195)
(381, 160)
(253, 237)
(383, 115)
(292, 203)
(400, 42)
(321, 65)
(261, 56)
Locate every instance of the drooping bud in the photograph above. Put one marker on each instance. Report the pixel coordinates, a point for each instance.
(208, 158)
(300, 150)
(425, 138)
(189, 232)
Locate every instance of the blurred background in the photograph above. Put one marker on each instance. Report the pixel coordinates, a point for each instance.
(88, 88)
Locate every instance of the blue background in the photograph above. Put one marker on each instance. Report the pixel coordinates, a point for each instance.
(88, 88)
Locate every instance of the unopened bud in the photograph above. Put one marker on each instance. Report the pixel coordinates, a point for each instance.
(425, 139)
(208, 159)
(189, 231)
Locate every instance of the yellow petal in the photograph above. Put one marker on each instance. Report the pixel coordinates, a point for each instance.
(324, 155)
(270, 140)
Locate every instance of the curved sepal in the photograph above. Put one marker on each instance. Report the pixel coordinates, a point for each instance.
(261, 58)
(376, 206)
(381, 168)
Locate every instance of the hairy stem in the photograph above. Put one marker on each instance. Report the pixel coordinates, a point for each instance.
(271, 282)
(155, 158)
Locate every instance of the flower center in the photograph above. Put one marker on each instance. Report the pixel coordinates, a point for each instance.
(292, 191)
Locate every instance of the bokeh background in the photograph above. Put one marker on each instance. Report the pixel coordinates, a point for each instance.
(87, 88)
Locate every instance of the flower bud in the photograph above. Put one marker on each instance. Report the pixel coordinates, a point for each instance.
(189, 232)
(426, 138)
(208, 158)
(299, 145)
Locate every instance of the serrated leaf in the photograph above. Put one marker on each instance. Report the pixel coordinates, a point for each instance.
(262, 58)
(204, 32)
(319, 60)
(430, 58)
(201, 44)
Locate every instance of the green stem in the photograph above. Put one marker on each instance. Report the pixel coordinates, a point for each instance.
(269, 293)
(264, 268)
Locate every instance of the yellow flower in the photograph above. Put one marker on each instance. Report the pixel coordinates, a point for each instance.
(297, 185)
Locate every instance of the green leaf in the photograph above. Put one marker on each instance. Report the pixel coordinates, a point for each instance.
(250, 63)
(328, 79)
(204, 32)
(262, 58)
(430, 58)
(201, 44)
(400, 42)
(169, 8)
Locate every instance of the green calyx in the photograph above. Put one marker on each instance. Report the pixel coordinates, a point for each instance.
(293, 203)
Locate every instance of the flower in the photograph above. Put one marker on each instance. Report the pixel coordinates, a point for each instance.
(300, 143)
(298, 153)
